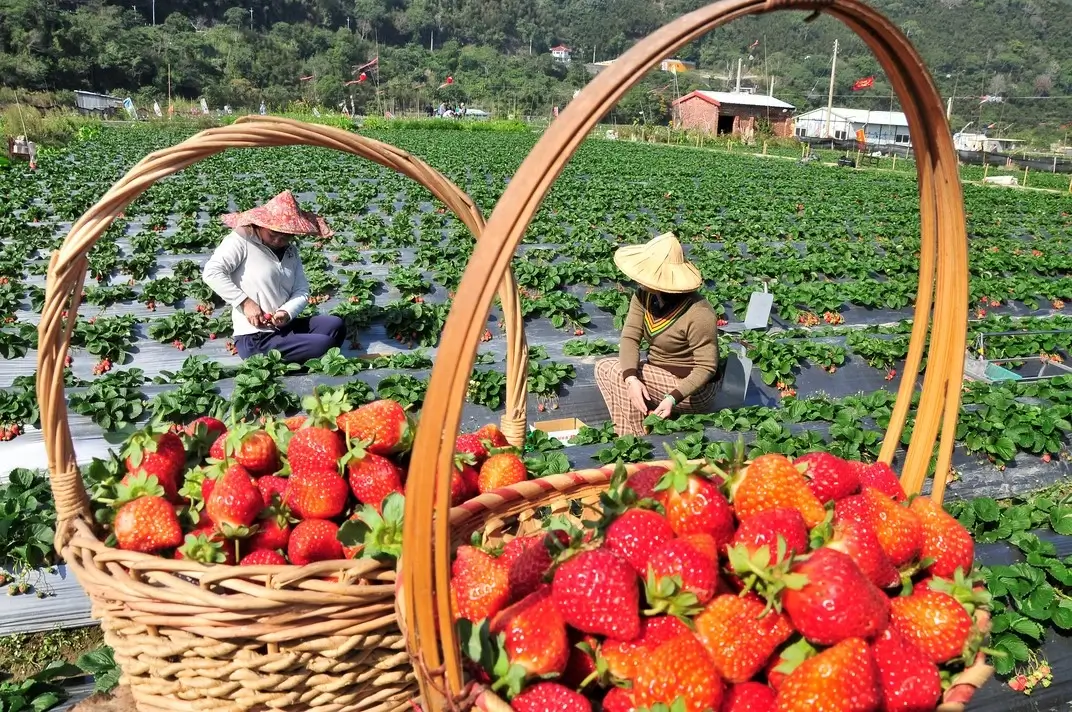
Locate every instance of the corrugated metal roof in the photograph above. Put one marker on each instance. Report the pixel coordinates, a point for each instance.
(744, 99)
(860, 116)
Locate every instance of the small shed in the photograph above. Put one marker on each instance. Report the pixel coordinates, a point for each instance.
(88, 102)
(736, 113)
(881, 128)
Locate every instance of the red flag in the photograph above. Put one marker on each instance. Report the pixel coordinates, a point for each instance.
(450, 80)
(363, 77)
(865, 83)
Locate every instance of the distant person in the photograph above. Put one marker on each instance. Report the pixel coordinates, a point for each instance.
(681, 328)
(258, 271)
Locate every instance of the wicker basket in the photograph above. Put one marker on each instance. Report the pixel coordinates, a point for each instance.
(321, 637)
(940, 315)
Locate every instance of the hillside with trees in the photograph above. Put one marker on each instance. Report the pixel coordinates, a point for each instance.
(497, 53)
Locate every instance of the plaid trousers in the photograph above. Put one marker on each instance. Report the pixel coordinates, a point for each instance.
(627, 419)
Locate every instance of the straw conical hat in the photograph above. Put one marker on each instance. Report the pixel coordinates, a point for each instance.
(281, 214)
(659, 265)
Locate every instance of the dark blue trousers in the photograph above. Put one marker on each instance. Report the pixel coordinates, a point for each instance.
(301, 339)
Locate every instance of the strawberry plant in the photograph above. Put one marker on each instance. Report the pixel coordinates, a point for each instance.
(190, 400)
(183, 329)
(194, 369)
(629, 448)
(560, 308)
(409, 281)
(27, 521)
(18, 404)
(404, 388)
(415, 324)
(186, 270)
(16, 340)
(110, 337)
(259, 390)
(107, 295)
(589, 347)
(487, 388)
(334, 363)
(113, 401)
(163, 290)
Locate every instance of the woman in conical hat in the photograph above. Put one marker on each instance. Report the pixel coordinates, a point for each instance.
(681, 330)
(258, 271)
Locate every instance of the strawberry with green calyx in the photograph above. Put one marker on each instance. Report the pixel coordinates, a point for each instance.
(681, 579)
(492, 435)
(597, 592)
(158, 452)
(205, 549)
(200, 435)
(471, 444)
(843, 678)
(679, 669)
(773, 482)
(317, 495)
(273, 528)
(528, 560)
(787, 660)
(488, 651)
(235, 503)
(939, 619)
(273, 488)
(748, 697)
(899, 529)
(315, 446)
(263, 557)
(479, 584)
(314, 540)
(620, 659)
(501, 469)
(384, 424)
(636, 535)
(855, 537)
(829, 477)
(764, 572)
(147, 524)
(252, 448)
(199, 483)
(550, 697)
(946, 543)
(740, 634)
(535, 634)
(910, 682)
(372, 477)
(377, 533)
(766, 528)
(464, 479)
(692, 502)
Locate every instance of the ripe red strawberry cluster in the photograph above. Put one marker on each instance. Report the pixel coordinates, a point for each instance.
(770, 585)
(309, 488)
(10, 431)
(484, 461)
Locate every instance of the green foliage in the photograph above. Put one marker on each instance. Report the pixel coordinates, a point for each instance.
(27, 521)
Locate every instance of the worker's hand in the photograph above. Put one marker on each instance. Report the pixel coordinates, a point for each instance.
(638, 394)
(254, 313)
(280, 318)
(664, 408)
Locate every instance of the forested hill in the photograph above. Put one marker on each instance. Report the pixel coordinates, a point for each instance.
(1013, 48)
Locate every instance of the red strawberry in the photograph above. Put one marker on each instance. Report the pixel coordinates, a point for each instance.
(535, 634)
(158, 453)
(462, 484)
(273, 529)
(263, 557)
(582, 663)
(748, 697)
(372, 477)
(786, 661)
(936, 623)
(836, 602)
(314, 540)
(773, 482)
(384, 424)
(550, 697)
(317, 495)
(681, 566)
(218, 451)
(843, 678)
(643, 481)
(881, 476)
(694, 504)
(597, 593)
(765, 528)
(294, 422)
(636, 535)
(854, 535)
(471, 444)
(493, 435)
(899, 529)
(235, 502)
(679, 669)
(479, 584)
(502, 470)
(214, 427)
(910, 682)
(829, 477)
(945, 540)
(527, 560)
(623, 657)
(618, 699)
(253, 449)
(271, 487)
(206, 546)
(740, 634)
(313, 449)
(147, 524)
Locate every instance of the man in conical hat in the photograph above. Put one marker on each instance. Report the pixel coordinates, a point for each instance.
(257, 270)
(681, 329)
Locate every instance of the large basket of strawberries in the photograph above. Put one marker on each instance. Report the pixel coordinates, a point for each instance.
(226, 586)
(748, 584)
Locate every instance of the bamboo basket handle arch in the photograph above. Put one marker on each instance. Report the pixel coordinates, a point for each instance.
(425, 602)
(67, 271)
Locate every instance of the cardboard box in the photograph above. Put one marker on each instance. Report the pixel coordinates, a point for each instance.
(561, 429)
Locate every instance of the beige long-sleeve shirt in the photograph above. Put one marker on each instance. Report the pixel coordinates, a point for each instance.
(687, 348)
(244, 267)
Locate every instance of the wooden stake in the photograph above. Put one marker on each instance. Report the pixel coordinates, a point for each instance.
(895, 161)
(1025, 175)
(765, 150)
(986, 170)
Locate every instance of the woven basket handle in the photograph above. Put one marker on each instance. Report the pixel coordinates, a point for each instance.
(67, 271)
(943, 275)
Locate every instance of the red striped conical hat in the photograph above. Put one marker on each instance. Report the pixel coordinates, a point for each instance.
(281, 214)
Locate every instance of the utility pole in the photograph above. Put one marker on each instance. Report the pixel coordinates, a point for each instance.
(738, 87)
(251, 19)
(348, 24)
(431, 41)
(830, 95)
(154, 13)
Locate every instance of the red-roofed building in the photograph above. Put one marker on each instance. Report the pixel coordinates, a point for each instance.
(737, 113)
(561, 53)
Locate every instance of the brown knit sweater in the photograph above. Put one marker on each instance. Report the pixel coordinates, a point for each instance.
(687, 347)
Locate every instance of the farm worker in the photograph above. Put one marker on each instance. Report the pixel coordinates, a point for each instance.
(258, 271)
(681, 330)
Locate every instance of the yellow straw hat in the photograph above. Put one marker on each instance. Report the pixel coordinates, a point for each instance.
(659, 265)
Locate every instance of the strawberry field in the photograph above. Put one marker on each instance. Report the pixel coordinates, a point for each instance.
(836, 248)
